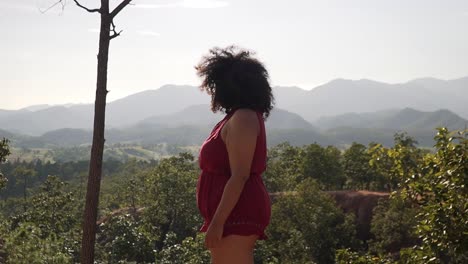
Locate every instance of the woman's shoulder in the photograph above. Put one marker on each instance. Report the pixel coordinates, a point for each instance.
(243, 120)
(245, 116)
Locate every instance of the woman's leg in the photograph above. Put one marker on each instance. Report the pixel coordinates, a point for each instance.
(234, 249)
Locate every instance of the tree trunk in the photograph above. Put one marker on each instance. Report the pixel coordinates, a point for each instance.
(97, 149)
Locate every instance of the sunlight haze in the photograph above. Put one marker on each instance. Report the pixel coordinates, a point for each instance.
(50, 58)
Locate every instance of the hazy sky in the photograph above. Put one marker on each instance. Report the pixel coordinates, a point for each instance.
(51, 58)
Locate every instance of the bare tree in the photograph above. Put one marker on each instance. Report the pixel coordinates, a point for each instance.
(107, 33)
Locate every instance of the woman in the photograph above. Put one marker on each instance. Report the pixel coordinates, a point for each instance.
(231, 195)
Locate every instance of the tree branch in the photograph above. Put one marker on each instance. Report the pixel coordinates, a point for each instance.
(119, 8)
(52, 6)
(98, 10)
(114, 33)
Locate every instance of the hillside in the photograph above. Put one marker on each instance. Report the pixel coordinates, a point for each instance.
(380, 126)
(190, 127)
(195, 115)
(187, 127)
(163, 101)
(337, 97)
(201, 115)
(120, 113)
(43, 120)
(343, 96)
(404, 119)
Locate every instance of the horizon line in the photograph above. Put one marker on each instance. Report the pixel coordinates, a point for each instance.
(273, 86)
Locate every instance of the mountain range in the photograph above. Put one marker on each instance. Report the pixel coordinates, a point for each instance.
(343, 96)
(335, 112)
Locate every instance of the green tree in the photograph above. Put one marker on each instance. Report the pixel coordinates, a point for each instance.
(120, 238)
(53, 208)
(284, 169)
(440, 190)
(324, 165)
(4, 152)
(28, 244)
(347, 256)
(190, 251)
(358, 171)
(23, 176)
(393, 225)
(406, 155)
(169, 200)
(307, 227)
(397, 163)
(47, 232)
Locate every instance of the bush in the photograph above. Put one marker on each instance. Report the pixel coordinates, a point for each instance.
(121, 238)
(27, 244)
(307, 227)
(190, 251)
(393, 225)
(441, 191)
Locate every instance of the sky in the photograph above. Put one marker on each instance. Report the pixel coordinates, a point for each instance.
(50, 58)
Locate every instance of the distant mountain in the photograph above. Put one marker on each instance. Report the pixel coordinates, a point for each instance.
(7, 113)
(343, 96)
(356, 120)
(41, 121)
(287, 97)
(187, 127)
(166, 100)
(337, 97)
(195, 115)
(201, 115)
(33, 108)
(405, 119)
(120, 113)
(192, 125)
(67, 137)
(6, 134)
(381, 126)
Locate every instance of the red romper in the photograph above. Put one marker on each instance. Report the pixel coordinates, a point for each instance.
(251, 214)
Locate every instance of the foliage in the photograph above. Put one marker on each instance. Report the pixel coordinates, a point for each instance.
(46, 232)
(149, 213)
(440, 190)
(28, 244)
(347, 256)
(284, 168)
(393, 225)
(190, 251)
(23, 175)
(323, 165)
(398, 163)
(307, 227)
(52, 209)
(289, 165)
(66, 171)
(126, 187)
(359, 173)
(169, 200)
(121, 238)
(4, 152)
(4, 149)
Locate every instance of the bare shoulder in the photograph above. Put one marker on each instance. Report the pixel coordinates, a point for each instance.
(245, 118)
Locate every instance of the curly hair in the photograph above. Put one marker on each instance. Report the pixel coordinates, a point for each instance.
(235, 79)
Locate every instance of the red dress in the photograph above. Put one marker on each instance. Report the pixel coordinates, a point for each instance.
(251, 214)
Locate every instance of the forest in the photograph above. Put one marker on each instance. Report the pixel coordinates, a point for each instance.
(148, 213)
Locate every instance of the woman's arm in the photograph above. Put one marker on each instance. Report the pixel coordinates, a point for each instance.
(241, 138)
